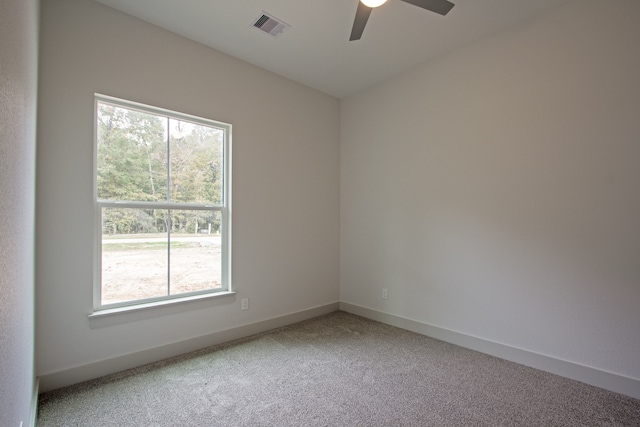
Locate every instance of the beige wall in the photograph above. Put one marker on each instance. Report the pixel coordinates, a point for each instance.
(285, 179)
(18, 79)
(495, 192)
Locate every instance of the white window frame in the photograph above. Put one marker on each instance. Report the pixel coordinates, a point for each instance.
(224, 209)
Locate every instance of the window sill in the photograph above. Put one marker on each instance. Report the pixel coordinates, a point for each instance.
(133, 313)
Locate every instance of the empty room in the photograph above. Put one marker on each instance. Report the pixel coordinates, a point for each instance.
(297, 212)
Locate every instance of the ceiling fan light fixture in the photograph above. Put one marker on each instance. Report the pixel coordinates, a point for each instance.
(373, 3)
(441, 7)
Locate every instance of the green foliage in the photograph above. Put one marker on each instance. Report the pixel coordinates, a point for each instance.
(131, 155)
(196, 165)
(140, 155)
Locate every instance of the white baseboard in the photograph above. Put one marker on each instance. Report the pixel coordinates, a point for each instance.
(34, 403)
(592, 376)
(54, 380)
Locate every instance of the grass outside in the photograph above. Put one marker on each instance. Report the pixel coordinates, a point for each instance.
(142, 236)
(115, 247)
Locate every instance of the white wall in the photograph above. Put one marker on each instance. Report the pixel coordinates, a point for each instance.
(18, 79)
(495, 192)
(285, 178)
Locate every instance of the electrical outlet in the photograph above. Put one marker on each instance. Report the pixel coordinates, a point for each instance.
(244, 304)
(384, 293)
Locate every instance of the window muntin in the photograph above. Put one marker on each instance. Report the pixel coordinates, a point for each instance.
(162, 184)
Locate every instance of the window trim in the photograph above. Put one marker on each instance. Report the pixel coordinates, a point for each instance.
(224, 209)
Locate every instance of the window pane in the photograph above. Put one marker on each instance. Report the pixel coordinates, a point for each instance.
(196, 163)
(195, 251)
(148, 157)
(134, 254)
(132, 154)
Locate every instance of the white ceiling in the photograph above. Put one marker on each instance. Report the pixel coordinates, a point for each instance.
(316, 50)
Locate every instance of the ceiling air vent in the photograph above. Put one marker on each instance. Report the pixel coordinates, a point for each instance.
(270, 25)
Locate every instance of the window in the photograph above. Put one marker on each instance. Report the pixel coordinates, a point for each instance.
(162, 185)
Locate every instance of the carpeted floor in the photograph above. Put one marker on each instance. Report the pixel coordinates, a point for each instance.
(336, 370)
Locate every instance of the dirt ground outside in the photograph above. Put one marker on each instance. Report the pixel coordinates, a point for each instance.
(137, 268)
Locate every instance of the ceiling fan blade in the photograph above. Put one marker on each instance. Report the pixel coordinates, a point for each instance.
(441, 7)
(362, 16)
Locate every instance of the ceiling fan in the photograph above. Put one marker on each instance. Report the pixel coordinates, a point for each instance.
(441, 7)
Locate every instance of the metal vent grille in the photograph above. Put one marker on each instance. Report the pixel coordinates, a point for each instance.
(270, 25)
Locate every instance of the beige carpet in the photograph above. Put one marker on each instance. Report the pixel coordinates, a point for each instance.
(336, 370)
